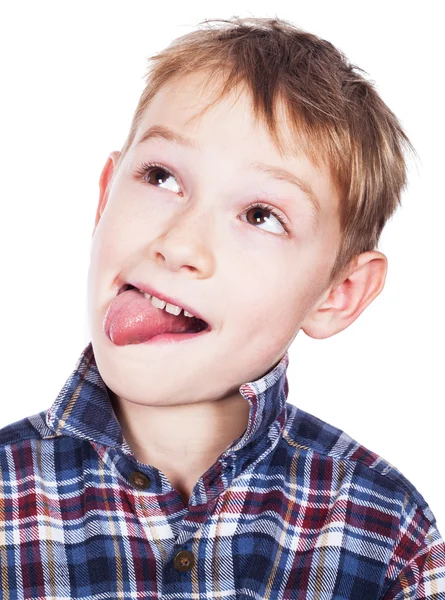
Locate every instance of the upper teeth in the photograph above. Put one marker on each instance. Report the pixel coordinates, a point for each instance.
(170, 308)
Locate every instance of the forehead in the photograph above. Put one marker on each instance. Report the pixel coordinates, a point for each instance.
(185, 101)
(176, 114)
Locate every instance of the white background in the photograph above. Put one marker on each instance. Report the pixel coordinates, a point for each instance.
(71, 76)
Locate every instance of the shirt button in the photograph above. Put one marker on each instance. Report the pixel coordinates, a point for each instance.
(139, 480)
(184, 561)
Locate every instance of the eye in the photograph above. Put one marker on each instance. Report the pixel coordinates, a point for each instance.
(257, 208)
(154, 173)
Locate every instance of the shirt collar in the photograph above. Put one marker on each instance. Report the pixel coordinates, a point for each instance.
(83, 407)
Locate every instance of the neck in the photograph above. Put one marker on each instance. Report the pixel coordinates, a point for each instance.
(182, 441)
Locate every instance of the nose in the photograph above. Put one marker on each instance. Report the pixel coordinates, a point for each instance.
(186, 245)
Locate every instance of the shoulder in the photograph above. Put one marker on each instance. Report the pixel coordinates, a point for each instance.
(29, 428)
(32, 454)
(374, 473)
(378, 509)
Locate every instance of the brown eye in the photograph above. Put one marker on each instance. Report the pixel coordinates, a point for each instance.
(258, 215)
(262, 214)
(156, 175)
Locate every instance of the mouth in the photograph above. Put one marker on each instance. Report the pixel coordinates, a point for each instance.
(197, 324)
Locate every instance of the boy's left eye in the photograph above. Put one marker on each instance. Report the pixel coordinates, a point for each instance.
(154, 173)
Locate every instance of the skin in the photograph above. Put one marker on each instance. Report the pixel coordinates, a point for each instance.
(191, 238)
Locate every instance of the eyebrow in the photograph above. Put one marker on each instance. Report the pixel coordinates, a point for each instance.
(163, 132)
(160, 131)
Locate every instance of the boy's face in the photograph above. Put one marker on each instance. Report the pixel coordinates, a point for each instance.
(190, 237)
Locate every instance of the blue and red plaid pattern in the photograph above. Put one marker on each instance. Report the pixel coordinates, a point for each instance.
(293, 509)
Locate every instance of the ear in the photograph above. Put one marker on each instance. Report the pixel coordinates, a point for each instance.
(347, 298)
(104, 183)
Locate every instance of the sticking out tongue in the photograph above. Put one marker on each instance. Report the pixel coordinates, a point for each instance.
(132, 319)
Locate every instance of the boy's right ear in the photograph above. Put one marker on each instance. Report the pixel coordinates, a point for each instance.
(104, 183)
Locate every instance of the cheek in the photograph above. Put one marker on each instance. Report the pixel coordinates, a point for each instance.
(104, 248)
(278, 294)
(109, 251)
(265, 300)
(117, 235)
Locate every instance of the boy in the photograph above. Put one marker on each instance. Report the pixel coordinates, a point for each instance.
(245, 205)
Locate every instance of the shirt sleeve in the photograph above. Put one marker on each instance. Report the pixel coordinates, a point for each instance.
(423, 576)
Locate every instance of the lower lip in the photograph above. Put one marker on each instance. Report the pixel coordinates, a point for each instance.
(170, 338)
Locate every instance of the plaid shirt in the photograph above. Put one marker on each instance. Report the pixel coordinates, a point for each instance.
(294, 508)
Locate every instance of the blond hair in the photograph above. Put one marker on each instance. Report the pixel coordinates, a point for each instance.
(334, 113)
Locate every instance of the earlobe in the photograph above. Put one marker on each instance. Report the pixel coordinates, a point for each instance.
(104, 184)
(341, 305)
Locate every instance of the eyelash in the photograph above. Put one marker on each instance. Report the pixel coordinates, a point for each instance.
(145, 168)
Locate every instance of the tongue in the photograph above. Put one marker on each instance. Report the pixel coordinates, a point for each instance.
(132, 319)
